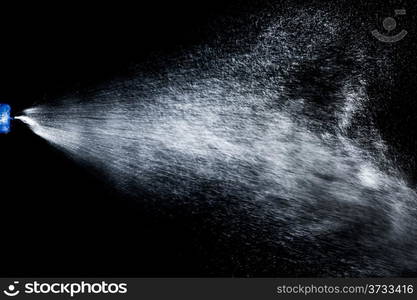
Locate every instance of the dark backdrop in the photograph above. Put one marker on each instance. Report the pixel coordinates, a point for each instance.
(57, 219)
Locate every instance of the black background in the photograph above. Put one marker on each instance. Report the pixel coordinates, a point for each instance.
(58, 219)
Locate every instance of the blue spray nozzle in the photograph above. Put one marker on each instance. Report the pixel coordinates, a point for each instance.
(5, 118)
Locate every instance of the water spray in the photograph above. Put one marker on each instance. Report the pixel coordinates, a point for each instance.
(246, 131)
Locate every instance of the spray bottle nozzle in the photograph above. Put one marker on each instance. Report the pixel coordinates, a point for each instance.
(5, 118)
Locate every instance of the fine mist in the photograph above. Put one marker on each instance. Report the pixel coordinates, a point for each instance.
(268, 130)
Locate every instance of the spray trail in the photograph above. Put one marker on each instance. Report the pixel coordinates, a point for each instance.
(263, 133)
